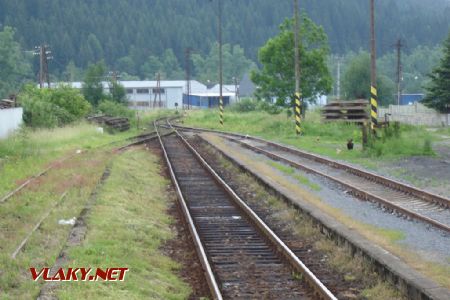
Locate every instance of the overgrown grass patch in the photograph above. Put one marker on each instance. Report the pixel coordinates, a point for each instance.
(127, 227)
(328, 139)
(29, 151)
(20, 213)
(292, 172)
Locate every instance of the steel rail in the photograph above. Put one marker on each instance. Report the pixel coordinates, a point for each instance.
(394, 184)
(210, 278)
(356, 191)
(282, 248)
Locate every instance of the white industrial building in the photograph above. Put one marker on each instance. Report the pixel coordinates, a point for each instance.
(144, 95)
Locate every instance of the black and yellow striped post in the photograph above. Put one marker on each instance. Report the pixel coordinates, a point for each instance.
(221, 110)
(298, 119)
(374, 107)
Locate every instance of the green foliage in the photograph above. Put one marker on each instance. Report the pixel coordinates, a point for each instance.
(323, 138)
(245, 105)
(416, 64)
(92, 87)
(52, 107)
(167, 66)
(117, 92)
(398, 139)
(14, 66)
(277, 78)
(235, 64)
(115, 109)
(356, 81)
(140, 28)
(438, 96)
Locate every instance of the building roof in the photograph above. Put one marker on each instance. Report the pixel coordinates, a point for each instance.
(213, 94)
(225, 88)
(128, 84)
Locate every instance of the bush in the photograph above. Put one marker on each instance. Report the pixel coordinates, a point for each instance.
(245, 105)
(115, 109)
(52, 107)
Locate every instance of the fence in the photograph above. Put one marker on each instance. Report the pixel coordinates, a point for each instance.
(416, 114)
(10, 120)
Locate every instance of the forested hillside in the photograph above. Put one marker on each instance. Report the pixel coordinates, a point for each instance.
(127, 33)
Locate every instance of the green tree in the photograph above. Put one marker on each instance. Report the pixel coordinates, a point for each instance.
(438, 96)
(14, 66)
(356, 81)
(277, 76)
(92, 86)
(151, 66)
(117, 92)
(72, 72)
(235, 63)
(126, 64)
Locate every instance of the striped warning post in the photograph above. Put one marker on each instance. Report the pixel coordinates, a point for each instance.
(374, 107)
(221, 111)
(298, 129)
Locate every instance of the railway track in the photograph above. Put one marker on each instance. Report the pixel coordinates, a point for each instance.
(241, 256)
(390, 194)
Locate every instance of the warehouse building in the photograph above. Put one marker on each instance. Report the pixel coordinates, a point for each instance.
(146, 94)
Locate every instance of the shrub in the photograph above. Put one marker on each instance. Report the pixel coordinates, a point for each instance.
(115, 109)
(52, 107)
(245, 105)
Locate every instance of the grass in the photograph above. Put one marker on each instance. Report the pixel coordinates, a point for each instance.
(29, 151)
(19, 214)
(292, 172)
(328, 139)
(127, 228)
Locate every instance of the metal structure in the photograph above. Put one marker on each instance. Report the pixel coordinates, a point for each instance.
(158, 91)
(390, 194)
(298, 95)
(220, 65)
(373, 70)
(236, 248)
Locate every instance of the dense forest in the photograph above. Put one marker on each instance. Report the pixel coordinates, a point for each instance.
(131, 34)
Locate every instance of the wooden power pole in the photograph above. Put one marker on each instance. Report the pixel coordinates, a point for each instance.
(399, 45)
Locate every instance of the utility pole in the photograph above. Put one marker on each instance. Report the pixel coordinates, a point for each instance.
(298, 95)
(373, 70)
(158, 91)
(44, 56)
(188, 76)
(236, 89)
(399, 45)
(338, 94)
(220, 65)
